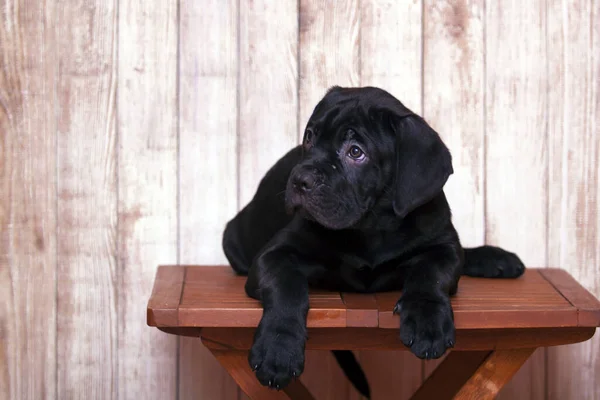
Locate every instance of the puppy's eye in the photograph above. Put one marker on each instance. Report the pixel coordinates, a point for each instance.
(356, 153)
(308, 136)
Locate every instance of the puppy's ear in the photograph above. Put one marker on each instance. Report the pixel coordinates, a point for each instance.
(423, 163)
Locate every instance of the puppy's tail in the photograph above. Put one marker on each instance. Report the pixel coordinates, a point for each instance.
(492, 262)
(353, 371)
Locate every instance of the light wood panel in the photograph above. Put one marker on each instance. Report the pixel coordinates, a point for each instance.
(329, 51)
(574, 187)
(268, 89)
(391, 57)
(87, 200)
(328, 56)
(208, 146)
(27, 201)
(516, 148)
(147, 192)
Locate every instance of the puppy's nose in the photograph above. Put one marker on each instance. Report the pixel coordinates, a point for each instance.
(304, 181)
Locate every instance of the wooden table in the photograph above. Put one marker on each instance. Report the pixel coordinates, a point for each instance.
(499, 324)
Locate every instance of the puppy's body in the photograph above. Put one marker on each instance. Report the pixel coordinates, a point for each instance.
(363, 211)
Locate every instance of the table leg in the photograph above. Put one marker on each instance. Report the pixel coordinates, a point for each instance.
(236, 364)
(472, 374)
(447, 379)
(493, 374)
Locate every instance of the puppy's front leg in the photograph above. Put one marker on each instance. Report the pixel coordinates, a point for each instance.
(277, 354)
(426, 317)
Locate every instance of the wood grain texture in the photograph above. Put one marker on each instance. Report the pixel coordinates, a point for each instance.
(493, 374)
(163, 305)
(588, 306)
(268, 90)
(361, 310)
(213, 296)
(391, 48)
(453, 104)
(87, 200)
(391, 57)
(147, 189)
(574, 173)
(27, 201)
(517, 148)
(208, 146)
(328, 51)
(451, 374)
(328, 55)
(387, 339)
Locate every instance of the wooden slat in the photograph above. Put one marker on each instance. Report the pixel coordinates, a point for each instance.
(87, 200)
(361, 310)
(166, 294)
(28, 214)
(147, 126)
(391, 57)
(588, 306)
(208, 146)
(530, 301)
(574, 186)
(516, 154)
(215, 297)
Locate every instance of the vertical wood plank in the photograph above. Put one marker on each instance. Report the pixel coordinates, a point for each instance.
(453, 104)
(516, 148)
(268, 90)
(329, 51)
(574, 187)
(27, 201)
(391, 58)
(208, 99)
(87, 201)
(147, 192)
(328, 55)
(391, 48)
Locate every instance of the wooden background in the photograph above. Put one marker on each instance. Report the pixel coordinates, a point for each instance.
(131, 131)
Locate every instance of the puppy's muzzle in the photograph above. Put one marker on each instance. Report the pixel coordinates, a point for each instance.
(304, 181)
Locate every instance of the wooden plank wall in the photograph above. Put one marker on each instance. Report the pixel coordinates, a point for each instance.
(131, 132)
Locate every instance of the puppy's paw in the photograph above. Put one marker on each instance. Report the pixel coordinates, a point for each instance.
(426, 326)
(277, 354)
(492, 262)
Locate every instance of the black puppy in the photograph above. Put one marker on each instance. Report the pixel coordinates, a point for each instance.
(364, 211)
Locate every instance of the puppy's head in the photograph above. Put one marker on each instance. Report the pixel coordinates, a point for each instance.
(364, 149)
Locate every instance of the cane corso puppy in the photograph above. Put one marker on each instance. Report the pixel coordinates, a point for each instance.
(358, 207)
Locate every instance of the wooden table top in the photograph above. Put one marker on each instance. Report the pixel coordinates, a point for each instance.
(213, 296)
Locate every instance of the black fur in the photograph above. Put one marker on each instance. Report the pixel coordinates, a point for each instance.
(357, 207)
